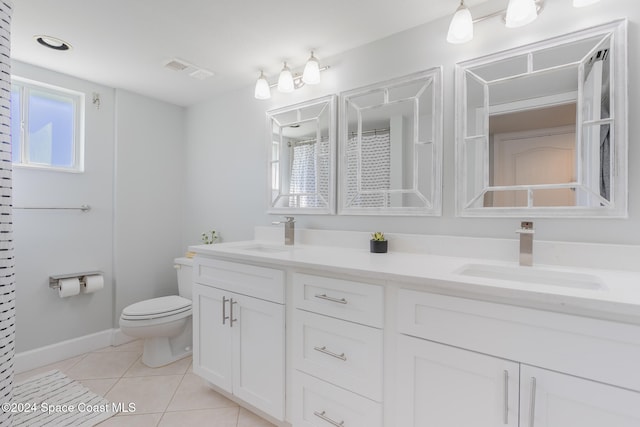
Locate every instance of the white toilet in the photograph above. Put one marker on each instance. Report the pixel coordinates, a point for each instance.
(165, 323)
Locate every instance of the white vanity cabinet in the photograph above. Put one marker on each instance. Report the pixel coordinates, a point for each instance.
(466, 362)
(444, 386)
(239, 331)
(337, 351)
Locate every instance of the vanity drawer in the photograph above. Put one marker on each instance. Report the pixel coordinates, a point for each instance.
(320, 404)
(343, 353)
(344, 299)
(585, 347)
(258, 282)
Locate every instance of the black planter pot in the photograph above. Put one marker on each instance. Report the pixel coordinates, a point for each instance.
(378, 246)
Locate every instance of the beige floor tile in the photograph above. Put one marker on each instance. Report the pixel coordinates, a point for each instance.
(249, 419)
(139, 369)
(103, 365)
(222, 417)
(99, 386)
(144, 420)
(63, 366)
(150, 394)
(193, 393)
(137, 345)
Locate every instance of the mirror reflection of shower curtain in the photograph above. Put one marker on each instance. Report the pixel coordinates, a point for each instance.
(597, 105)
(303, 175)
(309, 180)
(375, 173)
(605, 133)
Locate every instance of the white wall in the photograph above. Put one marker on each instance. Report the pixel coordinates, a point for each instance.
(59, 242)
(226, 166)
(150, 162)
(133, 181)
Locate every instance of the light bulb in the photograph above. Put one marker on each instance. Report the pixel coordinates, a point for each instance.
(311, 74)
(461, 27)
(521, 12)
(285, 81)
(582, 3)
(263, 91)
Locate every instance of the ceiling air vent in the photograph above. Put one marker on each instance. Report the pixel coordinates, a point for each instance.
(201, 74)
(196, 72)
(177, 65)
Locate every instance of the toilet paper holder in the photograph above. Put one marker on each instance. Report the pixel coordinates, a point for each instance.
(82, 277)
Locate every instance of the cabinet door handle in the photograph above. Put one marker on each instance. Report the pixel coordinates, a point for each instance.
(224, 310)
(324, 350)
(532, 402)
(231, 319)
(328, 298)
(506, 397)
(322, 416)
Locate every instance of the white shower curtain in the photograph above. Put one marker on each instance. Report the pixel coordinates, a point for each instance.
(375, 173)
(7, 274)
(309, 174)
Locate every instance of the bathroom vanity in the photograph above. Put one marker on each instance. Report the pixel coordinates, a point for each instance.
(317, 335)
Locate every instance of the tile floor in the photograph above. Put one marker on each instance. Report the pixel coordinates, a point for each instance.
(167, 396)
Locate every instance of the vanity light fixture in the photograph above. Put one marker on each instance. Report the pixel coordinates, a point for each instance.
(263, 91)
(517, 14)
(582, 3)
(287, 81)
(520, 13)
(461, 27)
(311, 74)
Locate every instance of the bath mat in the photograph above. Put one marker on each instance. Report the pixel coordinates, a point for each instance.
(53, 399)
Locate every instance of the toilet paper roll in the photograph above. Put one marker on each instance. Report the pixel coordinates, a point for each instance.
(68, 287)
(93, 283)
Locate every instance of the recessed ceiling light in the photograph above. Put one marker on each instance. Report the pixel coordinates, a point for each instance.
(52, 42)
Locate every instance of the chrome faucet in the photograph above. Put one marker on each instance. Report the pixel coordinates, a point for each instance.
(289, 229)
(526, 242)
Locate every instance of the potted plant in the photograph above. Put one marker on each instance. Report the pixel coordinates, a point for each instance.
(378, 243)
(210, 237)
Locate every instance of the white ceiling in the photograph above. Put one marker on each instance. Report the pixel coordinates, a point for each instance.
(125, 43)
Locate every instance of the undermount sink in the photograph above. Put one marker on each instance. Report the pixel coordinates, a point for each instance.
(260, 247)
(533, 275)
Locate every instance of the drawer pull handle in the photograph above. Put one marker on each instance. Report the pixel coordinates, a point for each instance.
(324, 350)
(328, 298)
(322, 416)
(224, 308)
(231, 319)
(532, 403)
(506, 397)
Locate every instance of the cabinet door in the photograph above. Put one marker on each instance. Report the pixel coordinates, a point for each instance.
(444, 386)
(211, 338)
(551, 399)
(258, 353)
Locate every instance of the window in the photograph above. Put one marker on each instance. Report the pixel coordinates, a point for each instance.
(47, 125)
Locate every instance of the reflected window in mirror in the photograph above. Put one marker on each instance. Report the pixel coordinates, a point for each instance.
(301, 144)
(541, 130)
(390, 143)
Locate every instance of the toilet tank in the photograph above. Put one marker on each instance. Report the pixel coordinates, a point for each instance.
(184, 268)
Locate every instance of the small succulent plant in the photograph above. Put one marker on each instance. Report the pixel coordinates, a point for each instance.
(378, 236)
(209, 238)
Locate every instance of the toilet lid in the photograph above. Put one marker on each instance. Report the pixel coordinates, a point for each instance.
(158, 306)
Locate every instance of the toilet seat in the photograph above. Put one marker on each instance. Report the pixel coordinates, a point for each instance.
(162, 307)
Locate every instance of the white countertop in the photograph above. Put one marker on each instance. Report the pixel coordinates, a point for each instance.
(618, 297)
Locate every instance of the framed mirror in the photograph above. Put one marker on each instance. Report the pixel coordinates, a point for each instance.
(390, 142)
(301, 144)
(541, 130)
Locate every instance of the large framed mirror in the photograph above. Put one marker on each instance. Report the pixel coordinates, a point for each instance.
(390, 142)
(301, 144)
(541, 130)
